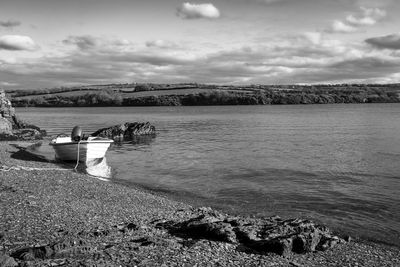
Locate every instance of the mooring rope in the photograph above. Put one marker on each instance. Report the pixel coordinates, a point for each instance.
(77, 156)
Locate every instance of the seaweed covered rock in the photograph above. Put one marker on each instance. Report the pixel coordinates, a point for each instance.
(268, 235)
(13, 128)
(126, 131)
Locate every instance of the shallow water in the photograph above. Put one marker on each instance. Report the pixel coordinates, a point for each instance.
(338, 164)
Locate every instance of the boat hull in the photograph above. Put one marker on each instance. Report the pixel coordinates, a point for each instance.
(87, 150)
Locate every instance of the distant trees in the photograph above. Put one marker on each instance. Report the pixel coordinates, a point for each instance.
(216, 95)
(100, 98)
(143, 87)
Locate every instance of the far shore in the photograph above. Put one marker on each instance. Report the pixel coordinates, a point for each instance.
(193, 94)
(54, 216)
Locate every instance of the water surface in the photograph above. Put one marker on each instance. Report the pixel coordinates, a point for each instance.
(338, 164)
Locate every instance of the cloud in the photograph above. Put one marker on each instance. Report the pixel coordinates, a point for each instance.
(391, 41)
(366, 17)
(17, 42)
(341, 27)
(198, 11)
(314, 37)
(9, 23)
(89, 42)
(369, 16)
(8, 84)
(83, 42)
(161, 44)
(310, 57)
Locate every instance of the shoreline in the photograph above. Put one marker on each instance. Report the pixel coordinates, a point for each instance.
(114, 224)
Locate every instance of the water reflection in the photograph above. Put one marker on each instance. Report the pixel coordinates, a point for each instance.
(96, 167)
(137, 143)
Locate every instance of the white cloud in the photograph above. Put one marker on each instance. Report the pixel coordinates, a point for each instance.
(197, 11)
(314, 37)
(369, 16)
(17, 42)
(339, 26)
(366, 17)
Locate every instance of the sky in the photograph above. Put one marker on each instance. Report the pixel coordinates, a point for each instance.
(52, 43)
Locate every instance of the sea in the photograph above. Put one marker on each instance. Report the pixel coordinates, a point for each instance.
(336, 164)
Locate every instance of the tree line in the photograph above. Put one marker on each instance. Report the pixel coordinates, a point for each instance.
(111, 97)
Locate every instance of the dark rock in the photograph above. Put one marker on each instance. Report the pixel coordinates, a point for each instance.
(327, 242)
(347, 238)
(281, 246)
(126, 131)
(246, 234)
(204, 227)
(267, 235)
(13, 128)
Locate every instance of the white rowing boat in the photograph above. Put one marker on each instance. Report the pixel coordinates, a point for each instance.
(83, 150)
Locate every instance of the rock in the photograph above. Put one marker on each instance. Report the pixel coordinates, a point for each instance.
(28, 134)
(246, 234)
(5, 126)
(7, 261)
(280, 245)
(267, 235)
(307, 242)
(347, 238)
(126, 131)
(203, 227)
(13, 128)
(6, 110)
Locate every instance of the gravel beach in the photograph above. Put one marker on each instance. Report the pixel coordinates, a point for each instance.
(54, 216)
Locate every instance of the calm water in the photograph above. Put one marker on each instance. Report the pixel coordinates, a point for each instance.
(338, 164)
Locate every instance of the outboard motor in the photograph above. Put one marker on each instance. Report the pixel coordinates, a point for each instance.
(76, 134)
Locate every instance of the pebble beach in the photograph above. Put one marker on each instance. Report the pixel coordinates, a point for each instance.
(54, 216)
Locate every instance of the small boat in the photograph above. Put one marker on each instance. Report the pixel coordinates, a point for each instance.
(76, 148)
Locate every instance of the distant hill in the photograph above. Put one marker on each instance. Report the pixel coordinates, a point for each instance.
(147, 94)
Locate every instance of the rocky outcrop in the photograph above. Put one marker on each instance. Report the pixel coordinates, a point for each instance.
(126, 131)
(13, 128)
(270, 235)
